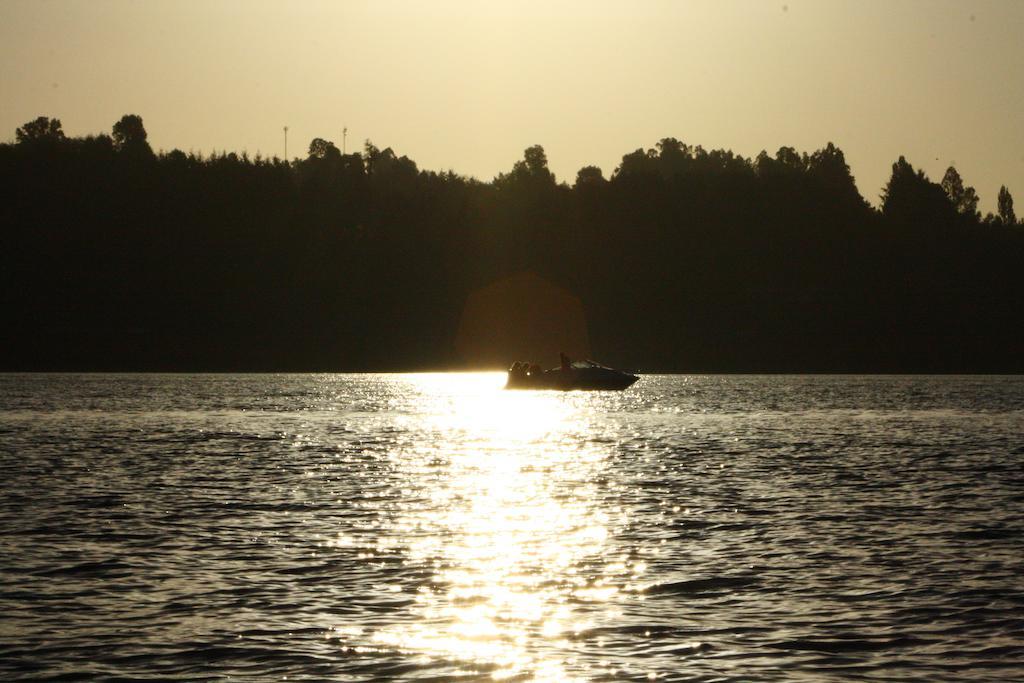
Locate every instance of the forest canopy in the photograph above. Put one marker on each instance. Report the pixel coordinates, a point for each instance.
(684, 259)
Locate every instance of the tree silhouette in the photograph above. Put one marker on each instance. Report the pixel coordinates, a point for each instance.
(532, 170)
(910, 199)
(589, 176)
(323, 149)
(828, 167)
(536, 162)
(130, 135)
(965, 199)
(1005, 207)
(636, 164)
(684, 259)
(791, 159)
(40, 129)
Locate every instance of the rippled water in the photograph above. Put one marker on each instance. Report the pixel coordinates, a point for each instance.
(431, 527)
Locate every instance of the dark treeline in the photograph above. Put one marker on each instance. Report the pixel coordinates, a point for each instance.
(115, 257)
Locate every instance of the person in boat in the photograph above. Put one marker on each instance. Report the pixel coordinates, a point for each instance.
(566, 363)
(518, 370)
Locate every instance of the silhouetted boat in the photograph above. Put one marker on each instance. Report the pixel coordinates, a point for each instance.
(583, 374)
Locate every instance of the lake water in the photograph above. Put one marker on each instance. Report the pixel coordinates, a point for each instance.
(436, 527)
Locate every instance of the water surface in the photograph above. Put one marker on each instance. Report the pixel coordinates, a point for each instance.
(432, 527)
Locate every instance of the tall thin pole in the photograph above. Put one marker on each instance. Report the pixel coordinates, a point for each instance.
(286, 143)
(344, 138)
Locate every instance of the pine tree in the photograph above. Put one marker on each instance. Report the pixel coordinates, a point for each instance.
(1005, 205)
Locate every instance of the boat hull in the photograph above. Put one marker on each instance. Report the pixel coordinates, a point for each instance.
(587, 379)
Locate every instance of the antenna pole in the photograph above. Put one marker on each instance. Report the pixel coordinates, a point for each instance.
(344, 138)
(286, 143)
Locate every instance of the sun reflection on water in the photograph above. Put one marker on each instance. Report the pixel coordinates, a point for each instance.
(506, 515)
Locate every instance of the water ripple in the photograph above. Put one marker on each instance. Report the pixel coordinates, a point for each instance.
(433, 527)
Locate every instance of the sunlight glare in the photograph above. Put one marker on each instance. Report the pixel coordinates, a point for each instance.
(508, 514)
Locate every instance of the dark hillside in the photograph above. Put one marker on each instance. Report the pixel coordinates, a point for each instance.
(117, 258)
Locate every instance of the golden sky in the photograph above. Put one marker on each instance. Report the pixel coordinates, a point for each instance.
(468, 85)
